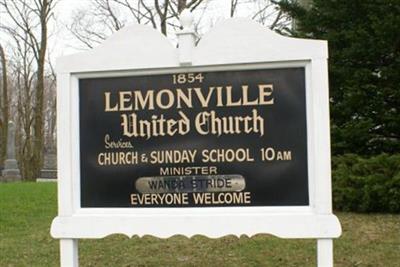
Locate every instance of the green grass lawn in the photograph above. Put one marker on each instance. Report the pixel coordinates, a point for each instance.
(27, 209)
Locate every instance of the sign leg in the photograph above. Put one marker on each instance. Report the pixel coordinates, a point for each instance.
(69, 253)
(325, 252)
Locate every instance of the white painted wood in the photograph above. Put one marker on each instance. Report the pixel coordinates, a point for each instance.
(310, 136)
(281, 225)
(69, 253)
(64, 153)
(186, 38)
(242, 41)
(75, 142)
(68, 247)
(323, 198)
(133, 47)
(325, 253)
(235, 44)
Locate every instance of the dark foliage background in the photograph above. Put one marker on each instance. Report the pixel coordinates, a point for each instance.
(364, 71)
(366, 184)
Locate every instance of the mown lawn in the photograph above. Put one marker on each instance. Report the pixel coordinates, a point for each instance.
(27, 209)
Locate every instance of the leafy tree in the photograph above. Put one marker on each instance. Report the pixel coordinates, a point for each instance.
(364, 68)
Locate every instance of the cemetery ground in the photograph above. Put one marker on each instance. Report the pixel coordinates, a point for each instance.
(27, 209)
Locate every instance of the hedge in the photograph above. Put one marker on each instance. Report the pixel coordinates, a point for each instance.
(366, 184)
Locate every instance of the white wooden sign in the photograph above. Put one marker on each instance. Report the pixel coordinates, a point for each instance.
(140, 53)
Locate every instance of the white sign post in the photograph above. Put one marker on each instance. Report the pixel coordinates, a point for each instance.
(236, 44)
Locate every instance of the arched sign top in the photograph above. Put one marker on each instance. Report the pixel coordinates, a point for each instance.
(136, 36)
(133, 47)
(232, 41)
(240, 40)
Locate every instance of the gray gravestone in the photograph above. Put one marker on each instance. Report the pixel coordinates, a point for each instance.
(11, 171)
(49, 170)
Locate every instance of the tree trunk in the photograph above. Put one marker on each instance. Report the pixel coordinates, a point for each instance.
(181, 5)
(38, 119)
(5, 107)
(163, 26)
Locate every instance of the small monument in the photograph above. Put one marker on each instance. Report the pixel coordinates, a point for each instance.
(49, 170)
(11, 171)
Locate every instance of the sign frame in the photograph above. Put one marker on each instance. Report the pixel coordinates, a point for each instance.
(115, 59)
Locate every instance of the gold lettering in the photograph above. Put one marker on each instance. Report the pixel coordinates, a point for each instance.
(204, 100)
(124, 98)
(187, 98)
(170, 99)
(107, 103)
(210, 123)
(245, 92)
(265, 90)
(229, 101)
(149, 98)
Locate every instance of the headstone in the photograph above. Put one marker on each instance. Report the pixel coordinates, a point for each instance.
(11, 171)
(49, 170)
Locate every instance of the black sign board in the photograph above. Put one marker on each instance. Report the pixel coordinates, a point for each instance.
(201, 139)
